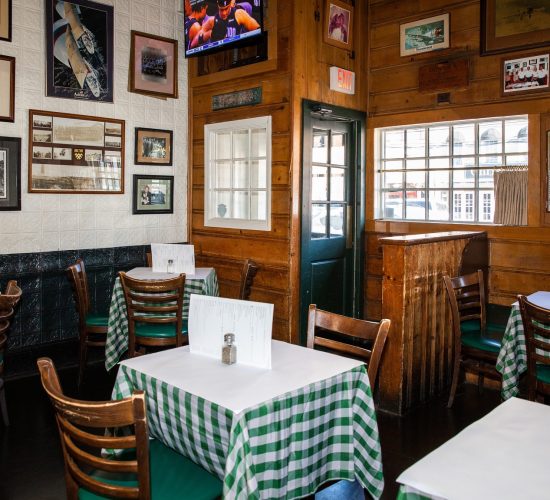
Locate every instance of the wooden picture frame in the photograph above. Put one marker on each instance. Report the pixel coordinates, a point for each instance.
(7, 89)
(10, 173)
(153, 194)
(547, 171)
(153, 147)
(153, 65)
(510, 26)
(525, 75)
(424, 35)
(75, 153)
(79, 50)
(338, 25)
(6, 20)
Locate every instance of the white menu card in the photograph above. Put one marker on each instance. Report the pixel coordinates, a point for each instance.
(210, 318)
(182, 257)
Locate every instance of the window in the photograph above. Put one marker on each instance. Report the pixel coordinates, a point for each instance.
(237, 163)
(444, 171)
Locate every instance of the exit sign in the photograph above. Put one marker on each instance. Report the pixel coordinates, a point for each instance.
(342, 80)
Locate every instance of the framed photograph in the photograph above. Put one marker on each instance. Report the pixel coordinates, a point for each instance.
(153, 194)
(79, 50)
(5, 20)
(511, 25)
(7, 89)
(338, 24)
(75, 153)
(525, 75)
(10, 173)
(153, 147)
(424, 35)
(153, 65)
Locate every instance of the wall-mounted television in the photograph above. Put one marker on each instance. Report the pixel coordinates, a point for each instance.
(212, 25)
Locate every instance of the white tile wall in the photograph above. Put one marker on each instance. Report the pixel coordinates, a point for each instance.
(49, 222)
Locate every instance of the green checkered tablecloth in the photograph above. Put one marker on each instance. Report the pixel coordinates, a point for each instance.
(285, 447)
(117, 332)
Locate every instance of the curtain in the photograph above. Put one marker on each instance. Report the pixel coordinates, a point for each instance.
(511, 196)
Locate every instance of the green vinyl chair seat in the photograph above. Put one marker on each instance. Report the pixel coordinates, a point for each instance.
(473, 325)
(477, 341)
(158, 330)
(543, 373)
(173, 476)
(97, 320)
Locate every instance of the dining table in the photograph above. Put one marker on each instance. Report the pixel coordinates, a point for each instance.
(512, 357)
(203, 282)
(266, 433)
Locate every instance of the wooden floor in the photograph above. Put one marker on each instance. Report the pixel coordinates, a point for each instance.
(31, 466)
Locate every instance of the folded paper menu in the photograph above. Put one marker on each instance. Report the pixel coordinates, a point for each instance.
(173, 258)
(251, 323)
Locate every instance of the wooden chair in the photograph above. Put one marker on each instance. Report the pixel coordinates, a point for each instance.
(144, 470)
(92, 327)
(249, 270)
(155, 313)
(351, 331)
(536, 326)
(472, 347)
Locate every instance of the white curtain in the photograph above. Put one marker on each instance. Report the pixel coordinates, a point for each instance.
(511, 196)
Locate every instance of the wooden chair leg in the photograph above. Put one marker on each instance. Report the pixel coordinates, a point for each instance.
(3, 405)
(82, 362)
(456, 373)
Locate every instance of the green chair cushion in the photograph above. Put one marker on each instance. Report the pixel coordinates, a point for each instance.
(477, 341)
(159, 330)
(472, 325)
(543, 373)
(173, 476)
(97, 320)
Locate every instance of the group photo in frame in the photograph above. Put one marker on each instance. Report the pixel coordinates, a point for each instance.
(525, 74)
(5, 20)
(75, 153)
(153, 65)
(153, 147)
(7, 89)
(338, 26)
(511, 25)
(424, 35)
(79, 50)
(153, 194)
(10, 173)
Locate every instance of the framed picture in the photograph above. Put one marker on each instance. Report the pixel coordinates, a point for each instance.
(153, 147)
(75, 153)
(424, 35)
(511, 25)
(153, 65)
(5, 20)
(10, 173)
(153, 194)
(79, 50)
(338, 24)
(525, 75)
(7, 89)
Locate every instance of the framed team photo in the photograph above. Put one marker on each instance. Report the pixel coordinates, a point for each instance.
(153, 147)
(525, 75)
(338, 26)
(153, 194)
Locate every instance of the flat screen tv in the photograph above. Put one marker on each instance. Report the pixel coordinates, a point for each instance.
(212, 25)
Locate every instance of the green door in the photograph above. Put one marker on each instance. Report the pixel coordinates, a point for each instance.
(332, 210)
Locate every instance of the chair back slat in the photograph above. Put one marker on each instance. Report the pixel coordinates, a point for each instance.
(248, 272)
(79, 283)
(466, 296)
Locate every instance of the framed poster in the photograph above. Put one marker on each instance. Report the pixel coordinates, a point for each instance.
(10, 173)
(153, 147)
(424, 35)
(7, 89)
(510, 25)
(338, 27)
(79, 50)
(75, 153)
(153, 194)
(153, 65)
(525, 74)
(5, 20)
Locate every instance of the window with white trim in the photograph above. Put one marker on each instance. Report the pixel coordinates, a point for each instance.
(444, 171)
(237, 166)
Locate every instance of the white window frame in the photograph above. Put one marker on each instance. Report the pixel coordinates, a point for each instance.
(211, 217)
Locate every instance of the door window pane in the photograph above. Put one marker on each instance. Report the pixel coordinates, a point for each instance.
(338, 149)
(320, 147)
(318, 221)
(319, 183)
(337, 184)
(337, 220)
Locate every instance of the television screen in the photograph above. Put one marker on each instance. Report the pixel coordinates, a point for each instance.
(211, 25)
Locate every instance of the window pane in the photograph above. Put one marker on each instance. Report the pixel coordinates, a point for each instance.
(485, 178)
(222, 204)
(240, 175)
(318, 221)
(240, 144)
(415, 179)
(320, 147)
(464, 178)
(337, 220)
(490, 161)
(416, 142)
(439, 163)
(416, 164)
(338, 149)
(319, 183)
(223, 174)
(394, 144)
(415, 207)
(464, 139)
(393, 165)
(467, 161)
(393, 205)
(439, 179)
(337, 184)
(516, 160)
(258, 174)
(439, 141)
(223, 145)
(490, 137)
(515, 136)
(463, 206)
(486, 206)
(258, 205)
(241, 205)
(439, 205)
(393, 180)
(258, 143)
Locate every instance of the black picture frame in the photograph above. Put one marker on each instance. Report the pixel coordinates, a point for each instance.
(144, 146)
(86, 71)
(10, 173)
(158, 198)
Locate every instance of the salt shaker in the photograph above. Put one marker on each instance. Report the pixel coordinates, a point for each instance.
(229, 349)
(170, 266)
